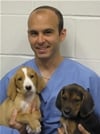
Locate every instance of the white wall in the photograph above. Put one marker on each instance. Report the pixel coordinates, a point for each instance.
(82, 20)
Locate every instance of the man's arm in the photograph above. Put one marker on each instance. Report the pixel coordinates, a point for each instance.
(81, 128)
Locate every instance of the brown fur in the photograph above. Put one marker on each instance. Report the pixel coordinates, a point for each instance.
(23, 99)
(76, 106)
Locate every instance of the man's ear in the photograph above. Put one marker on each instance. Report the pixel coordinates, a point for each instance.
(63, 34)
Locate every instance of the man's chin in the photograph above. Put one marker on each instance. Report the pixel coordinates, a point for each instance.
(43, 56)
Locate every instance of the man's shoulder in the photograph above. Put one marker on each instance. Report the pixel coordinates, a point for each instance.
(29, 63)
(77, 67)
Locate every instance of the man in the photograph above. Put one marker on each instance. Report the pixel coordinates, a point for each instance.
(45, 33)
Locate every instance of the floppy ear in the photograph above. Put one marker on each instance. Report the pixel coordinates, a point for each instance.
(87, 104)
(40, 85)
(12, 92)
(58, 99)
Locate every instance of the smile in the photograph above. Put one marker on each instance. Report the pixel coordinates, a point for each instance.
(42, 47)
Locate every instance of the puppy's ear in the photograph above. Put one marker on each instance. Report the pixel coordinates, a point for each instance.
(58, 99)
(87, 104)
(40, 85)
(12, 92)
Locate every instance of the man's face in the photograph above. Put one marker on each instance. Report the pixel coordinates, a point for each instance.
(43, 33)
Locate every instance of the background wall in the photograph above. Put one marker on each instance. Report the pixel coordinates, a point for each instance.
(82, 19)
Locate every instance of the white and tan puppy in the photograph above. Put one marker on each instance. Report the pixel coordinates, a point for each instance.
(23, 94)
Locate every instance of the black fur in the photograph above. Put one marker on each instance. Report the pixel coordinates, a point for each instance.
(86, 114)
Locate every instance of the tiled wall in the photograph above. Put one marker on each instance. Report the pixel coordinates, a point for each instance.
(82, 20)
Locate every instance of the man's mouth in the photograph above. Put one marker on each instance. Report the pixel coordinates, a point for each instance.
(42, 49)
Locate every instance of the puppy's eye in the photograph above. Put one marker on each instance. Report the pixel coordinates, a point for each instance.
(77, 100)
(64, 98)
(31, 76)
(19, 79)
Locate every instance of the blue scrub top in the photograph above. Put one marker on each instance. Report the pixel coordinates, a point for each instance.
(68, 72)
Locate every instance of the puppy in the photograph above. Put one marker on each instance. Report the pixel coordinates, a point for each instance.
(76, 106)
(23, 95)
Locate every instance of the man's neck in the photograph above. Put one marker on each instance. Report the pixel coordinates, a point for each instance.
(48, 64)
(47, 67)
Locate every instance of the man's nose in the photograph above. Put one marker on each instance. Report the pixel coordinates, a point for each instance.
(41, 38)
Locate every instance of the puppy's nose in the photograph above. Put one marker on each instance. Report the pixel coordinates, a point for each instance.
(67, 110)
(28, 88)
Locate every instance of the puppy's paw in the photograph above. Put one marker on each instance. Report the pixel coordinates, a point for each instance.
(35, 128)
(30, 131)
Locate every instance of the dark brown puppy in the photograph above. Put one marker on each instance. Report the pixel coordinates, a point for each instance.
(76, 106)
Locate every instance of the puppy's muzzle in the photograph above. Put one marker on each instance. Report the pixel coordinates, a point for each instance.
(67, 113)
(28, 87)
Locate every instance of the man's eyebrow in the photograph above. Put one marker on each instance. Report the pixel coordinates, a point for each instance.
(32, 30)
(51, 29)
(48, 29)
(35, 31)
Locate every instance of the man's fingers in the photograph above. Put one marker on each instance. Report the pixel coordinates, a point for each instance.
(60, 131)
(13, 117)
(33, 109)
(82, 130)
(13, 122)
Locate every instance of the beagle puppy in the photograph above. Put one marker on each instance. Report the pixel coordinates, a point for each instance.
(76, 106)
(23, 95)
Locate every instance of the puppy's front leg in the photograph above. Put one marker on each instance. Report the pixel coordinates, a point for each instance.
(33, 120)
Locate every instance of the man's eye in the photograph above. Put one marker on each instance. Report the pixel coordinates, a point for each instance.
(48, 32)
(33, 33)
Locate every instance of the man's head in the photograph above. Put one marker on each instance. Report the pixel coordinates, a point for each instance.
(56, 11)
(45, 31)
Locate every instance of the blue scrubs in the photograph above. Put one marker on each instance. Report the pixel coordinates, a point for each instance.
(68, 72)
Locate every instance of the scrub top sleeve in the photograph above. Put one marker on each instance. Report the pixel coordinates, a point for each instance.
(3, 88)
(7, 130)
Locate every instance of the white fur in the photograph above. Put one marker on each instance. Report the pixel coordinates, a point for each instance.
(28, 81)
(65, 128)
(24, 105)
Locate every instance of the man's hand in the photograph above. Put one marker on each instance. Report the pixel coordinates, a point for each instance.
(82, 129)
(15, 124)
(60, 131)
